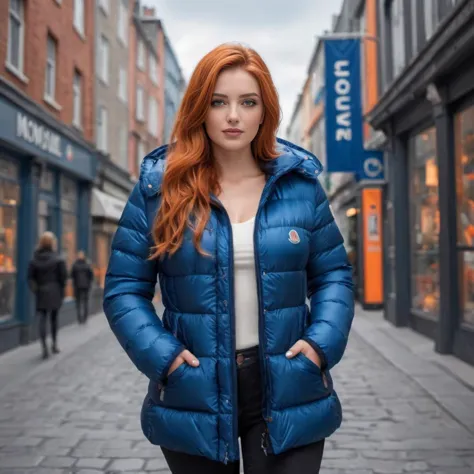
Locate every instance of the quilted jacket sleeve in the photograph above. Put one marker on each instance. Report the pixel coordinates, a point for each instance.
(129, 290)
(330, 287)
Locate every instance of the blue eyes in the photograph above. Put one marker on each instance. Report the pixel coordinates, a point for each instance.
(247, 103)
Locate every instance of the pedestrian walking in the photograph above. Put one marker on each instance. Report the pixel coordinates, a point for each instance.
(82, 277)
(47, 277)
(238, 228)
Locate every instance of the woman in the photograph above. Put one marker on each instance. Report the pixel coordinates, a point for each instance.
(47, 278)
(238, 228)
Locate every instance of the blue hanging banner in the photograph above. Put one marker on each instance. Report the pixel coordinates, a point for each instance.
(343, 105)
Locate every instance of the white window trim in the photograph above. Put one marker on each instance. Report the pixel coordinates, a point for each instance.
(123, 85)
(104, 5)
(21, 54)
(80, 29)
(122, 19)
(140, 112)
(102, 135)
(77, 108)
(141, 58)
(103, 69)
(153, 69)
(50, 95)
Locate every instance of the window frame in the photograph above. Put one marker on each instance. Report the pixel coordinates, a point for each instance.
(123, 84)
(21, 40)
(103, 59)
(122, 23)
(79, 15)
(50, 68)
(141, 55)
(77, 99)
(102, 129)
(140, 104)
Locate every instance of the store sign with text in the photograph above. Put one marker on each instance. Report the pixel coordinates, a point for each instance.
(35, 137)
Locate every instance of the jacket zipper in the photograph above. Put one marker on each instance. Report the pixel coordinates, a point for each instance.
(266, 389)
(231, 308)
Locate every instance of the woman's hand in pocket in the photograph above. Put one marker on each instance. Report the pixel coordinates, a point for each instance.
(306, 350)
(185, 357)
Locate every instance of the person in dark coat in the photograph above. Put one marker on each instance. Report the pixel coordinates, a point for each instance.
(47, 277)
(82, 278)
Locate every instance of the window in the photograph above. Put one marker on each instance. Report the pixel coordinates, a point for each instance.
(9, 202)
(77, 100)
(103, 59)
(69, 225)
(122, 27)
(424, 214)
(140, 114)
(104, 6)
(464, 147)
(398, 36)
(153, 116)
(50, 79)
(79, 16)
(102, 120)
(141, 55)
(122, 86)
(152, 64)
(16, 34)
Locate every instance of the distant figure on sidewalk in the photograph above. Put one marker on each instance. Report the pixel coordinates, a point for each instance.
(237, 226)
(47, 277)
(82, 277)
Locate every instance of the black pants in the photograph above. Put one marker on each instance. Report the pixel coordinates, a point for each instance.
(306, 459)
(82, 305)
(43, 320)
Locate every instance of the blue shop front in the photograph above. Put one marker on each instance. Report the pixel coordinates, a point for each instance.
(46, 175)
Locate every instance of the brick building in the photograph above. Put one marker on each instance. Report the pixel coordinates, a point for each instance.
(47, 161)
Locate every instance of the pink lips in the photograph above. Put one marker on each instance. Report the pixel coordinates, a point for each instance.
(233, 132)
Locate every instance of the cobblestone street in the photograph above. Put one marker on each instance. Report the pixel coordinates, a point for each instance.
(79, 413)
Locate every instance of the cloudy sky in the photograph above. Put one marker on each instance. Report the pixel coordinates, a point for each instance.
(282, 31)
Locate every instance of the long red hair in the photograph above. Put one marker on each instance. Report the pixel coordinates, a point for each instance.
(190, 175)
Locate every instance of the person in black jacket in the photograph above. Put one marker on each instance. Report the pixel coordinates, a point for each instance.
(82, 277)
(47, 277)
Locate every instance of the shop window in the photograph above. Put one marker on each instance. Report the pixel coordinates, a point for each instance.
(424, 214)
(69, 226)
(9, 202)
(464, 145)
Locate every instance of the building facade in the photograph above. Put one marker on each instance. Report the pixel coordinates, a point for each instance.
(47, 160)
(145, 91)
(174, 88)
(113, 184)
(426, 114)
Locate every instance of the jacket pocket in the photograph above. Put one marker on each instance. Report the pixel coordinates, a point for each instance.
(296, 381)
(191, 388)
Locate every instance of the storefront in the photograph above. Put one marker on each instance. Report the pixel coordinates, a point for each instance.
(46, 175)
(428, 118)
(109, 197)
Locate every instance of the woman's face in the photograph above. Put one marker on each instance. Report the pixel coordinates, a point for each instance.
(236, 110)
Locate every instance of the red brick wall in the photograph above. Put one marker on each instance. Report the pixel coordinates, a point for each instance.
(43, 17)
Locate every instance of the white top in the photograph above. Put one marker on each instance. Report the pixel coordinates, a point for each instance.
(245, 286)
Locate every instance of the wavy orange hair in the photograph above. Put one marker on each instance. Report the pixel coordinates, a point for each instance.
(190, 175)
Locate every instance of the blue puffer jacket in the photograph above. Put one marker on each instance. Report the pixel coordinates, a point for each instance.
(299, 252)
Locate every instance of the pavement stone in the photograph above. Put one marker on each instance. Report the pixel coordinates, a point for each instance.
(79, 413)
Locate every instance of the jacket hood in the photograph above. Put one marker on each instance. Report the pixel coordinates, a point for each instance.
(292, 157)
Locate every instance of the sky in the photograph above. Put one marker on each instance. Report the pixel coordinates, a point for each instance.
(283, 32)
